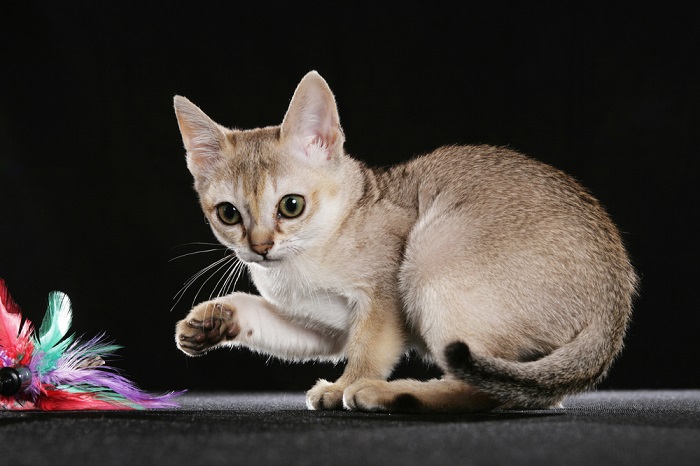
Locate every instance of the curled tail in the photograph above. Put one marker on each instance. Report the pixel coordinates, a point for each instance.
(572, 368)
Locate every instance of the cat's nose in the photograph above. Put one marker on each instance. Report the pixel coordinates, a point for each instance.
(262, 248)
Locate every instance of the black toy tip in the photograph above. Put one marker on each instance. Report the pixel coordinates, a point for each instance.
(13, 379)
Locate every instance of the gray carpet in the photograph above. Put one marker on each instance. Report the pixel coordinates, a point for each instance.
(608, 427)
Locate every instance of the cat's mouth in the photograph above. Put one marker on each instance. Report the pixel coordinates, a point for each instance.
(264, 261)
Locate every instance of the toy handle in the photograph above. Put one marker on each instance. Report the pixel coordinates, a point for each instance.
(14, 379)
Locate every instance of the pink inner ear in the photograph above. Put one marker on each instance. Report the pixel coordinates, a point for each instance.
(318, 148)
(320, 129)
(312, 148)
(315, 139)
(311, 123)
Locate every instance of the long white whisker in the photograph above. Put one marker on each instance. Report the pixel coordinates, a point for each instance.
(199, 274)
(230, 285)
(199, 243)
(194, 252)
(179, 295)
(221, 283)
(239, 272)
(223, 263)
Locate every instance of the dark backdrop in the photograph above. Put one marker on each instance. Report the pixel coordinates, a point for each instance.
(96, 200)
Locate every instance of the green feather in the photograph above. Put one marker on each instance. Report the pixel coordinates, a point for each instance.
(51, 341)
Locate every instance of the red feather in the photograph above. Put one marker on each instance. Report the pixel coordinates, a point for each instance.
(52, 399)
(14, 336)
(6, 300)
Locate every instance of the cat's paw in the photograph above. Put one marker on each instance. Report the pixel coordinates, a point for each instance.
(207, 325)
(378, 396)
(365, 395)
(325, 396)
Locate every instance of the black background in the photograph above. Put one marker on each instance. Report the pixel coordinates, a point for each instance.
(96, 199)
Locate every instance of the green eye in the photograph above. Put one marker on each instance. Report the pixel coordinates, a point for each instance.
(292, 205)
(227, 213)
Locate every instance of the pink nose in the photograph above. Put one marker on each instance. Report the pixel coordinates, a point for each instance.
(262, 248)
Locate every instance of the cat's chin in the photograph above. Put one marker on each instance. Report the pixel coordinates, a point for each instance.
(271, 260)
(265, 263)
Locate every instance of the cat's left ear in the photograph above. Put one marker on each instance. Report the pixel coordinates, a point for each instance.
(203, 138)
(311, 127)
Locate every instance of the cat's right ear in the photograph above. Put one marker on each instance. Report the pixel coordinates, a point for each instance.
(311, 128)
(204, 139)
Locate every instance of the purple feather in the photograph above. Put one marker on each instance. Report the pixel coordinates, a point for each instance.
(82, 368)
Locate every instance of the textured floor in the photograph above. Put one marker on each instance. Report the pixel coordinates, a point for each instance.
(630, 427)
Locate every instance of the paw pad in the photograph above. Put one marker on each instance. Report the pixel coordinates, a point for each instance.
(206, 327)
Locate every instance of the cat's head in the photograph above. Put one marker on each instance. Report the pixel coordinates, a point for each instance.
(272, 193)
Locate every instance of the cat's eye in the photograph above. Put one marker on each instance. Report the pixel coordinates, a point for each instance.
(292, 205)
(228, 213)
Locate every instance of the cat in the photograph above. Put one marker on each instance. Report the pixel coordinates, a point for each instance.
(502, 270)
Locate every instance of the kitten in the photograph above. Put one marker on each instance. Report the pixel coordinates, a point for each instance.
(502, 270)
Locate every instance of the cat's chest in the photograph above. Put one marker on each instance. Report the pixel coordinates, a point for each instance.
(304, 297)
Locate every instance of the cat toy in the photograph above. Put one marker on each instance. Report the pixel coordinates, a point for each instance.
(47, 370)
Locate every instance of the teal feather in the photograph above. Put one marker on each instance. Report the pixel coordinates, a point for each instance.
(52, 341)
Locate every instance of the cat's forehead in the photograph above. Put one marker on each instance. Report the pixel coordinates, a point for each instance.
(255, 136)
(254, 156)
(255, 163)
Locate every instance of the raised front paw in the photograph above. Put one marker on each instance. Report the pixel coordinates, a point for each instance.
(325, 396)
(206, 326)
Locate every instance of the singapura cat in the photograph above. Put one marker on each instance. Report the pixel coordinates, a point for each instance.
(502, 270)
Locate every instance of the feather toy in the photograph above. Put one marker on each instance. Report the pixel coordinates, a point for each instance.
(50, 370)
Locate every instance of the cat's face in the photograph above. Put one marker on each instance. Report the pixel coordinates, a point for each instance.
(264, 204)
(270, 194)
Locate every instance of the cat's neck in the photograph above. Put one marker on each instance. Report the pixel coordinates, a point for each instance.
(398, 185)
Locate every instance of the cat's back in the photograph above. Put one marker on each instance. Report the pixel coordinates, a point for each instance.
(504, 187)
(492, 172)
(496, 203)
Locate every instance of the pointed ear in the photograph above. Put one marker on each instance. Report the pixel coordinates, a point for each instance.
(204, 139)
(311, 126)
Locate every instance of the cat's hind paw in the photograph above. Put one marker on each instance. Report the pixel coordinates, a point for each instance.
(378, 396)
(206, 326)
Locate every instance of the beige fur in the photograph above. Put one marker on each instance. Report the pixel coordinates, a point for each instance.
(501, 269)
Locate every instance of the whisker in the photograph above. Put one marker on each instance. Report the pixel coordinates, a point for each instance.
(222, 264)
(198, 243)
(195, 252)
(230, 285)
(234, 275)
(221, 283)
(200, 273)
(219, 263)
(241, 267)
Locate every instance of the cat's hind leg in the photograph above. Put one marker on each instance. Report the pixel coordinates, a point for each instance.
(413, 396)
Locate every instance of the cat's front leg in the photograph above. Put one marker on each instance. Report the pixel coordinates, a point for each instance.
(241, 319)
(376, 342)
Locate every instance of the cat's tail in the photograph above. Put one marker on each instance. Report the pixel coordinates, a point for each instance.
(572, 368)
